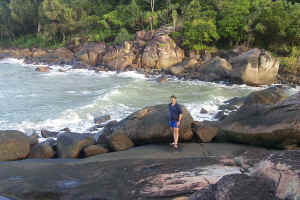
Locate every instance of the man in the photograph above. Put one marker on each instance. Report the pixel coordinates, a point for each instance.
(175, 113)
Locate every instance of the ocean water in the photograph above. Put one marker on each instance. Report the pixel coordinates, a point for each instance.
(54, 100)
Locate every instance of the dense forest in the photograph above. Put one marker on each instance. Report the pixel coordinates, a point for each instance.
(199, 24)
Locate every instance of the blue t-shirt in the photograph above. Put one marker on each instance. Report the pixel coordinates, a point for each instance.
(175, 111)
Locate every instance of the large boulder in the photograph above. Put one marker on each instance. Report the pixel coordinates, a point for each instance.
(183, 67)
(119, 141)
(270, 95)
(58, 56)
(14, 145)
(119, 57)
(255, 67)
(284, 169)
(69, 145)
(91, 53)
(276, 126)
(161, 52)
(42, 150)
(151, 125)
(238, 187)
(216, 69)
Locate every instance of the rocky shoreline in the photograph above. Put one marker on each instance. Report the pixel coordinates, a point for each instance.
(132, 160)
(251, 153)
(155, 52)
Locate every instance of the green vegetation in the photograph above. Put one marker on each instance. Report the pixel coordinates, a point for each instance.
(200, 24)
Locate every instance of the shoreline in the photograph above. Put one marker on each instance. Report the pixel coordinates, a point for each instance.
(156, 53)
(154, 78)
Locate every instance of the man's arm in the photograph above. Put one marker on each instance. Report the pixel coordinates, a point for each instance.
(180, 115)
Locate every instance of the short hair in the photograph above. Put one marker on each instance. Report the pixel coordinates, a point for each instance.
(173, 97)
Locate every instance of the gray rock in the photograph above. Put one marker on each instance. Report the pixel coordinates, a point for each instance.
(69, 145)
(238, 187)
(150, 125)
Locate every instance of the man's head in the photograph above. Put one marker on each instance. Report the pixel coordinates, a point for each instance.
(173, 99)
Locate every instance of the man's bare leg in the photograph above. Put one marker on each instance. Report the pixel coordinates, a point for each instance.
(172, 131)
(176, 135)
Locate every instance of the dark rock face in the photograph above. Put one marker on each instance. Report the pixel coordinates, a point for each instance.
(284, 169)
(14, 145)
(42, 150)
(276, 126)
(255, 67)
(150, 125)
(205, 131)
(69, 145)
(238, 187)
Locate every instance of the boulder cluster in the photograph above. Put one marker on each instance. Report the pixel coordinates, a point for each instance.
(156, 52)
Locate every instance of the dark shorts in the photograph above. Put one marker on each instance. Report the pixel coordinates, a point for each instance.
(173, 124)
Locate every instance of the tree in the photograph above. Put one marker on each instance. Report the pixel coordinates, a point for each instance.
(6, 22)
(26, 13)
(233, 20)
(200, 34)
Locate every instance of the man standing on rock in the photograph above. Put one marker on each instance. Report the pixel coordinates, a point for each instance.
(175, 113)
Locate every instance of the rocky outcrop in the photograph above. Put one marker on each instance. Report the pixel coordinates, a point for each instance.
(69, 145)
(255, 67)
(284, 169)
(161, 52)
(119, 57)
(238, 187)
(276, 126)
(270, 95)
(91, 53)
(42, 150)
(14, 145)
(144, 172)
(216, 69)
(150, 125)
(58, 56)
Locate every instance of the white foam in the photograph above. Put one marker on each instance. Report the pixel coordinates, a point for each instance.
(132, 74)
(210, 106)
(12, 61)
(108, 95)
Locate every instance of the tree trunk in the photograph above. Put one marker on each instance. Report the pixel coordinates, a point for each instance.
(39, 27)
